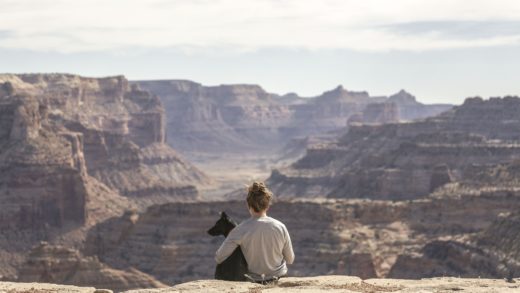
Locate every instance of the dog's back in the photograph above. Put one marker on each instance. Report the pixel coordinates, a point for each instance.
(234, 267)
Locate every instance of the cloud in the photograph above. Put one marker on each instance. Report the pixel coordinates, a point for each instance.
(368, 25)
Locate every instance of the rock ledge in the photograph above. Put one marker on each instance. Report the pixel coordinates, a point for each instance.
(308, 284)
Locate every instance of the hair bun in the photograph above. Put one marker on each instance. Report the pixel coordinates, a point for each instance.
(259, 196)
(257, 187)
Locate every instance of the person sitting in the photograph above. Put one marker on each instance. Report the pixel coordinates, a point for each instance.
(265, 241)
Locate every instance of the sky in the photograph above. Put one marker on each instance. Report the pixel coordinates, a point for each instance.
(442, 51)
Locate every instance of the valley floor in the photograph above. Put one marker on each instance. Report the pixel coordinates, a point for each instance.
(231, 172)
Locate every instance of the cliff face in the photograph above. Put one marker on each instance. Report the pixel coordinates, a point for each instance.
(492, 253)
(333, 236)
(410, 109)
(406, 160)
(42, 172)
(216, 118)
(231, 118)
(75, 151)
(121, 130)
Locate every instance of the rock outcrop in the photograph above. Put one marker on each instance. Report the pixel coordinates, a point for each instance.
(492, 253)
(380, 113)
(410, 109)
(334, 283)
(43, 178)
(57, 264)
(120, 131)
(16, 287)
(329, 283)
(407, 160)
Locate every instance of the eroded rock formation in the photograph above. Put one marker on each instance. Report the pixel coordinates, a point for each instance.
(492, 253)
(330, 236)
(42, 172)
(407, 160)
(75, 151)
(57, 264)
(238, 118)
(120, 131)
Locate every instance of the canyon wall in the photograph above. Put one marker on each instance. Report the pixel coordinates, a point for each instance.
(75, 151)
(42, 172)
(121, 130)
(406, 160)
(243, 118)
(330, 236)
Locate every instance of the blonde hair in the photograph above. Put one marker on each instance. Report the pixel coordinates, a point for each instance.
(259, 196)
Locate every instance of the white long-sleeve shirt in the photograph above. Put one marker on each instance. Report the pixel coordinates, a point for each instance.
(266, 245)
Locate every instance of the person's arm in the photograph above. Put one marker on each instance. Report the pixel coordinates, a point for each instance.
(230, 244)
(288, 253)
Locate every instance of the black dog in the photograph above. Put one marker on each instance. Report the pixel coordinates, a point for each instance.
(234, 267)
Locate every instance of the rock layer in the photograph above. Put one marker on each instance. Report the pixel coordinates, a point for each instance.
(121, 132)
(42, 172)
(332, 236)
(492, 253)
(242, 118)
(57, 264)
(407, 160)
(75, 151)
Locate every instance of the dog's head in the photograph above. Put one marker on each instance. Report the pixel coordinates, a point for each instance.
(223, 226)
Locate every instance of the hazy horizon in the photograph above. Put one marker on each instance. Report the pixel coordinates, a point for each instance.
(440, 51)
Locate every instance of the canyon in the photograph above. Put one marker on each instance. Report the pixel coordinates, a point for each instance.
(244, 118)
(112, 183)
(238, 133)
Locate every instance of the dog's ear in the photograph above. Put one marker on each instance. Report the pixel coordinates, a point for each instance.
(223, 215)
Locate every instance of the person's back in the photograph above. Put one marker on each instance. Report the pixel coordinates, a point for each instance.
(265, 241)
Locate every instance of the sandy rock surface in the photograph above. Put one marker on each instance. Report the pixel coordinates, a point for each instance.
(309, 284)
(11, 287)
(346, 284)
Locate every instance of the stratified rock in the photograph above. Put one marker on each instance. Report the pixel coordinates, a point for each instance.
(43, 179)
(407, 160)
(60, 265)
(493, 253)
(75, 151)
(244, 118)
(446, 258)
(117, 124)
(410, 109)
(330, 236)
(381, 113)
